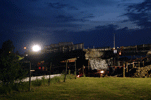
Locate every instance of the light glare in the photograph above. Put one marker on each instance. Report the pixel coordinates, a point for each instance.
(102, 72)
(36, 48)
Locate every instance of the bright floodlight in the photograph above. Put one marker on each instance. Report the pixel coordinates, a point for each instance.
(36, 48)
(102, 71)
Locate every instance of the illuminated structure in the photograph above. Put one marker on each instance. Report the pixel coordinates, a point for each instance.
(63, 47)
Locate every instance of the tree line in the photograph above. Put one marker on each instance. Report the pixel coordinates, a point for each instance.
(10, 65)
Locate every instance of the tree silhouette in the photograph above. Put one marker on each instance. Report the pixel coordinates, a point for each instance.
(7, 47)
(10, 67)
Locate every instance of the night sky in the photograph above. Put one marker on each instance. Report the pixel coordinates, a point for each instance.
(92, 22)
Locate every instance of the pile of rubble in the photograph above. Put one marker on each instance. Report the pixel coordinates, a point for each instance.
(143, 71)
(98, 64)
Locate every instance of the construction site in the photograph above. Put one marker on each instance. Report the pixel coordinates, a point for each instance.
(66, 57)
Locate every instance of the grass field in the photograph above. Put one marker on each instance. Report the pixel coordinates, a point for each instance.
(89, 88)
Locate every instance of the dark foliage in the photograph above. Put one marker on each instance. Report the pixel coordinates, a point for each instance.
(10, 67)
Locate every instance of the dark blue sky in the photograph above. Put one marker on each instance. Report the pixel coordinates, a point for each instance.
(92, 22)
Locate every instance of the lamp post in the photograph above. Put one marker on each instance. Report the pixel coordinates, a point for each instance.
(35, 48)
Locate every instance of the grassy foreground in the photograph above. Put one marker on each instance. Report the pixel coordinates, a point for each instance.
(89, 88)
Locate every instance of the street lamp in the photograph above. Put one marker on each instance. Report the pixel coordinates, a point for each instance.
(36, 48)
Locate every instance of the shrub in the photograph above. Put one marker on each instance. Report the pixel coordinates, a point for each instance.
(55, 79)
(6, 89)
(22, 86)
(37, 82)
(71, 76)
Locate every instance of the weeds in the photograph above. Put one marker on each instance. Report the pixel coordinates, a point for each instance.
(70, 76)
(10, 88)
(37, 82)
(56, 79)
(24, 86)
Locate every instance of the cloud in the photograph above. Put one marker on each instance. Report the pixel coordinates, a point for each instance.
(140, 14)
(124, 21)
(99, 2)
(72, 8)
(141, 19)
(89, 16)
(110, 26)
(65, 18)
(59, 5)
(34, 0)
(141, 7)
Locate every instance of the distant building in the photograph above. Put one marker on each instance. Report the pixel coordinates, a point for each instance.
(63, 47)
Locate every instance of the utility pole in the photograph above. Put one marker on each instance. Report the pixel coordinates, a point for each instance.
(123, 69)
(83, 71)
(75, 70)
(114, 40)
(114, 47)
(49, 72)
(30, 76)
